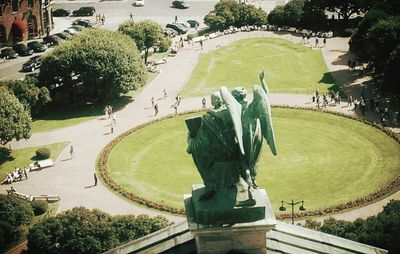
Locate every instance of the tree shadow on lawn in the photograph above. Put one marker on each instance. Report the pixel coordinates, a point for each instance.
(54, 113)
(5, 155)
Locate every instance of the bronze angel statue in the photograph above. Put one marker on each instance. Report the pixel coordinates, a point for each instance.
(226, 142)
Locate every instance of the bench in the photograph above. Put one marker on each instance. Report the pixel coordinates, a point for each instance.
(48, 198)
(20, 195)
(38, 165)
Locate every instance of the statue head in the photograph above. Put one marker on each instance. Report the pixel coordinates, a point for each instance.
(216, 100)
(239, 93)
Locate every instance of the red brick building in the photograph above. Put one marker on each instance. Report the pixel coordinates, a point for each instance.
(24, 19)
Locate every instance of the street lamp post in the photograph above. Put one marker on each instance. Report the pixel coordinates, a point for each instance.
(283, 208)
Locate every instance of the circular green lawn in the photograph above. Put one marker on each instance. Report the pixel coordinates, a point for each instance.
(322, 158)
(289, 68)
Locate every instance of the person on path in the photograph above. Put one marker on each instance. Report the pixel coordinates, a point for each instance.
(324, 41)
(103, 19)
(152, 102)
(71, 152)
(165, 93)
(95, 179)
(131, 16)
(203, 102)
(176, 18)
(175, 106)
(201, 44)
(156, 109)
(26, 173)
(350, 100)
(114, 118)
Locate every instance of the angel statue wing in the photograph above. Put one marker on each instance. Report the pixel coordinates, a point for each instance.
(260, 108)
(235, 112)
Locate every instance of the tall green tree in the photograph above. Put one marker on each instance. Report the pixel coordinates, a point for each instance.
(14, 118)
(28, 93)
(146, 34)
(93, 66)
(14, 216)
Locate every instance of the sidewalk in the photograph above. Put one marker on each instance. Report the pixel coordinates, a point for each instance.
(71, 179)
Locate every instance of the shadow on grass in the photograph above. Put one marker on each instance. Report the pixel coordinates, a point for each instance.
(5, 155)
(84, 111)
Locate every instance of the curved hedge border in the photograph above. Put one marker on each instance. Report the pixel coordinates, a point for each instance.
(386, 190)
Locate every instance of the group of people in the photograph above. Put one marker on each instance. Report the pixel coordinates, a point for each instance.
(16, 175)
(100, 18)
(108, 110)
(334, 96)
(307, 37)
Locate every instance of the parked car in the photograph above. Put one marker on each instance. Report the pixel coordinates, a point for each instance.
(22, 49)
(139, 3)
(8, 53)
(52, 40)
(71, 31)
(76, 27)
(32, 64)
(61, 13)
(64, 35)
(180, 4)
(37, 46)
(170, 32)
(177, 27)
(84, 11)
(193, 23)
(84, 23)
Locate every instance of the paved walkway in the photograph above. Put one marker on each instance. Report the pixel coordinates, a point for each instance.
(73, 179)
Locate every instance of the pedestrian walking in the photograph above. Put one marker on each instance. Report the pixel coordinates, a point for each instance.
(324, 41)
(26, 173)
(131, 16)
(156, 109)
(176, 108)
(114, 118)
(201, 44)
(95, 179)
(203, 102)
(103, 19)
(176, 18)
(165, 93)
(112, 127)
(349, 100)
(152, 102)
(316, 42)
(71, 152)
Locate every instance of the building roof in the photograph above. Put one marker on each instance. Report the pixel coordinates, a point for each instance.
(284, 238)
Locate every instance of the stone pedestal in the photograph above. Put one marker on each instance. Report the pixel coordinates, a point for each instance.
(245, 237)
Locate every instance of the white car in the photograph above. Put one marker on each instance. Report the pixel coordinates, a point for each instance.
(139, 3)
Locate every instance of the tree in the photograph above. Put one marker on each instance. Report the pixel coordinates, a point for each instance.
(95, 65)
(313, 16)
(277, 16)
(287, 15)
(14, 118)
(15, 214)
(81, 230)
(392, 71)
(28, 93)
(146, 34)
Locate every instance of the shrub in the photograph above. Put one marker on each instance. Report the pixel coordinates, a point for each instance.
(39, 207)
(43, 153)
(164, 44)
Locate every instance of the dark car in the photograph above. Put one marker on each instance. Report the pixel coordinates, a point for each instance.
(84, 23)
(84, 11)
(22, 49)
(52, 40)
(193, 23)
(64, 35)
(180, 4)
(8, 53)
(37, 46)
(177, 27)
(32, 64)
(61, 13)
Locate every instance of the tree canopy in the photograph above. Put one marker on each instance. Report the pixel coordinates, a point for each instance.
(15, 214)
(85, 231)
(287, 15)
(228, 13)
(15, 121)
(146, 34)
(28, 93)
(95, 65)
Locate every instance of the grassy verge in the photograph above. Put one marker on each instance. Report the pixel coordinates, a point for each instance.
(9, 160)
(319, 156)
(289, 68)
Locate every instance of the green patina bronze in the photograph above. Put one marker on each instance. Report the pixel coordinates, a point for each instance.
(225, 144)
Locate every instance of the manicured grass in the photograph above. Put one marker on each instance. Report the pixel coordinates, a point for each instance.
(67, 117)
(322, 158)
(289, 68)
(22, 157)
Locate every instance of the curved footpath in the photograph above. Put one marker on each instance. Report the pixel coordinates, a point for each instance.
(73, 179)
